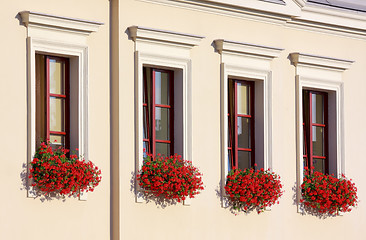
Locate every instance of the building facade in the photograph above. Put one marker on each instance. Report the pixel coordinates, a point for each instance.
(272, 83)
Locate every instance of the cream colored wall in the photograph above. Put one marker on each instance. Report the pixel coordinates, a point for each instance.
(205, 218)
(28, 218)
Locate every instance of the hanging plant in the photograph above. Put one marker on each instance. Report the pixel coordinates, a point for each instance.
(53, 171)
(327, 194)
(252, 189)
(170, 177)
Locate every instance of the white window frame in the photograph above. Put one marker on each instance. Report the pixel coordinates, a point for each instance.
(59, 36)
(162, 49)
(246, 61)
(323, 74)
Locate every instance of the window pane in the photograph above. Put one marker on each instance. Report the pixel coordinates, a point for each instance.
(57, 112)
(244, 159)
(243, 98)
(145, 124)
(229, 133)
(319, 165)
(304, 163)
(146, 148)
(229, 160)
(57, 141)
(317, 108)
(244, 132)
(163, 149)
(162, 123)
(56, 77)
(318, 141)
(161, 88)
(304, 147)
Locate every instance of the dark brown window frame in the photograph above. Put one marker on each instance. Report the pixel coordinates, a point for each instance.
(233, 148)
(149, 106)
(308, 154)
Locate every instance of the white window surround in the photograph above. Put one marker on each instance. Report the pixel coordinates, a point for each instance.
(324, 74)
(247, 61)
(164, 49)
(58, 36)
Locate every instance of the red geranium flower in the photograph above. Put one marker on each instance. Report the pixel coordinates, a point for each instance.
(249, 189)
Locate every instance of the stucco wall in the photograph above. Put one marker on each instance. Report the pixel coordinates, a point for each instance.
(205, 218)
(29, 218)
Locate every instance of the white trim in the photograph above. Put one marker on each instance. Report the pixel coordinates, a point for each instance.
(242, 60)
(151, 34)
(154, 48)
(325, 74)
(41, 40)
(34, 19)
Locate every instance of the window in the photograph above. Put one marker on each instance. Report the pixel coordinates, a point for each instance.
(315, 133)
(52, 40)
(241, 124)
(158, 111)
(53, 100)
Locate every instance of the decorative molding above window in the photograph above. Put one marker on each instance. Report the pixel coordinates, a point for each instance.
(246, 49)
(300, 59)
(150, 34)
(41, 20)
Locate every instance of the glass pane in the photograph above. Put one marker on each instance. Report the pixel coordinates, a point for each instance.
(304, 148)
(147, 86)
(163, 149)
(56, 77)
(162, 123)
(229, 160)
(145, 124)
(244, 159)
(318, 141)
(57, 112)
(319, 165)
(317, 108)
(243, 98)
(161, 88)
(146, 148)
(229, 133)
(305, 164)
(244, 132)
(57, 141)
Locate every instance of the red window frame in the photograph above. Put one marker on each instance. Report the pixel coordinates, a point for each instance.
(151, 139)
(233, 131)
(65, 97)
(308, 124)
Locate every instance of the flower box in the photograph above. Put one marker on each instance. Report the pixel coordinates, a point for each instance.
(53, 171)
(251, 189)
(170, 177)
(326, 194)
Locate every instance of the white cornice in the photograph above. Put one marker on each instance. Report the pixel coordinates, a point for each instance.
(298, 59)
(143, 33)
(295, 13)
(222, 45)
(35, 19)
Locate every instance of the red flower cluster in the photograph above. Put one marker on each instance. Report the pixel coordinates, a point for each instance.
(170, 177)
(53, 171)
(249, 189)
(327, 194)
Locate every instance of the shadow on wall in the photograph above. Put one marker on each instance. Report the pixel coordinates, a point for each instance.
(26, 185)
